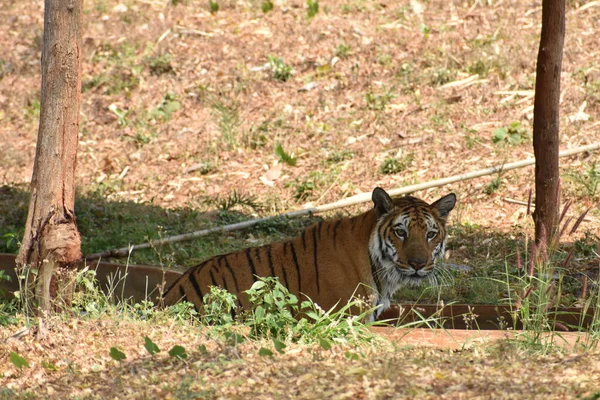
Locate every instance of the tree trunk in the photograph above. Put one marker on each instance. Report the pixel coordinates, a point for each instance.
(51, 242)
(546, 119)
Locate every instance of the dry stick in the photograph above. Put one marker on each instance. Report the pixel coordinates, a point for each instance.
(357, 199)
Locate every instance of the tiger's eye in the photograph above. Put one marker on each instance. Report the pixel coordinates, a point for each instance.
(431, 235)
(400, 233)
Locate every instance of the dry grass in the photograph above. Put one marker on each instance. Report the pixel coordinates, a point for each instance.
(306, 372)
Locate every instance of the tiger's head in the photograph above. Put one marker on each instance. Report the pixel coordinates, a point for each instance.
(409, 238)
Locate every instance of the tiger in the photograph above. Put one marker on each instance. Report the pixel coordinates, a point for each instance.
(397, 242)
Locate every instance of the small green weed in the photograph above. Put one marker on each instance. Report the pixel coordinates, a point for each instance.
(160, 64)
(213, 6)
(493, 186)
(288, 158)
(339, 156)
(589, 180)
(266, 6)
(313, 8)
(228, 121)
(513, 134)
(236, 198)
(169, 105)
(32, 111)
(393, 165)
(306, 187)
(280, 70)
(379, 101)
(343, 50)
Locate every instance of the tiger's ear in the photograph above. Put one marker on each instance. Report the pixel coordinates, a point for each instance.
(445, 204)
(382, 201)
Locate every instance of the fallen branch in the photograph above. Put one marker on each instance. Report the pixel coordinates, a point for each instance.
(357, 199)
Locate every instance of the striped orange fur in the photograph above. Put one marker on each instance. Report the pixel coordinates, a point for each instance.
(370, 255)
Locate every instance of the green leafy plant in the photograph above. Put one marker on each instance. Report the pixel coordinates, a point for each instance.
(280, 70)
(273, 308)
(288, 158)
(213, 6)
(513, 134)
(183, 311)
(219, 306)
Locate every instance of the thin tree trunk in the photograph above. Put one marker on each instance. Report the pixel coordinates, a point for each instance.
(546, 119)
(51, 241)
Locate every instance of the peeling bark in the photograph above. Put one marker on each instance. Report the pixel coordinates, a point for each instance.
(51, 240)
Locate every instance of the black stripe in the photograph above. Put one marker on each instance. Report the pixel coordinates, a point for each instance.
(285, 279)
(257, 254)
(270, 260)
(225, 284)
(320, 228)
(237, 288)
(182, 296)
(335, 227)
(212, 278)
(304, 239)
(285, 248)
(375, 276)
(315, 254)
(354, 220)
(194, 283)
(297, 267)
(251, 263)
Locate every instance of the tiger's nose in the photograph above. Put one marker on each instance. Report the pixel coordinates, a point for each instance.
(417, 263)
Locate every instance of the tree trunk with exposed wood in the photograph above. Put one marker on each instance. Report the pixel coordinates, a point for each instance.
(546, 119)
(51, 243)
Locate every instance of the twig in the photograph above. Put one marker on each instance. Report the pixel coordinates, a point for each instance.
(350, 201)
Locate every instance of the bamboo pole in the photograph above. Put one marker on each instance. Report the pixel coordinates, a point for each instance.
(353, 200)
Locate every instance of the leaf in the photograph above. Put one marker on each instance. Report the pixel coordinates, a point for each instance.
(325, 344)
(150, 346)
(289, 159)
(265, 352)
(279, 345)
(49, 366)
(202, 349)
(18, 361)
(233, 338)
(351, 355)
(178, 351)
(117, 354)
(499, 135)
